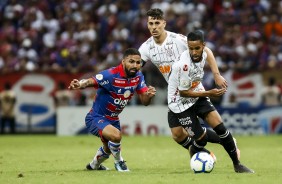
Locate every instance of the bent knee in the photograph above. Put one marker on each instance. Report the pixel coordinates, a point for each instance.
(178, 134)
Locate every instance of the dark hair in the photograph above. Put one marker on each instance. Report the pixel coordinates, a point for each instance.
(156, 13)
(196, 35)
(131, 51)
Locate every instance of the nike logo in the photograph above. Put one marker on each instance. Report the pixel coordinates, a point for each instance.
(154, 55)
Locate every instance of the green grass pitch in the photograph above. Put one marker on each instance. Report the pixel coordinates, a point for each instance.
(157, 160)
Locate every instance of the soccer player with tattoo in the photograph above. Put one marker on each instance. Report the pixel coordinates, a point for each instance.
(115, 87)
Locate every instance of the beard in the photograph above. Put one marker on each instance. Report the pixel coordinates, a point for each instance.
(131, 73)
(198, 59)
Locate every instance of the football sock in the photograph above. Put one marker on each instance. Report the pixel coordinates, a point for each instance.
(115, 150)
(198, 145)
(212, 136)
(100, 157)
(186, 143)
(227, 142)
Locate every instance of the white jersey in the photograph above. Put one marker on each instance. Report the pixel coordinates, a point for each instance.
(185, 74)
(163, 56)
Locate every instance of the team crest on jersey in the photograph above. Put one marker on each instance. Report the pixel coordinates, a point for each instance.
(126, 93)
(169, 52)
(99, 76)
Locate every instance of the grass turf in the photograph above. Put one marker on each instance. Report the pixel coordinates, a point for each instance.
(51, 159)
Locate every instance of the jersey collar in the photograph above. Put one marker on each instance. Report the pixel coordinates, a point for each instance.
(120, 69)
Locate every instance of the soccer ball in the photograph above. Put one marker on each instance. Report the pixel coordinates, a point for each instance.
(202, 162)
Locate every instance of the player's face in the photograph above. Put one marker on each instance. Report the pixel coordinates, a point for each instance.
(196, 50)
(131, 65)
(156, 26)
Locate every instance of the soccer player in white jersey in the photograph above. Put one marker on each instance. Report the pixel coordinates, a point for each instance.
(163, 48)
(188, 100)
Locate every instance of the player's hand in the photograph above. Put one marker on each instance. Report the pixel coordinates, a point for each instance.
(74, 84)
(151, 91)
(220, 81)
(217, 92)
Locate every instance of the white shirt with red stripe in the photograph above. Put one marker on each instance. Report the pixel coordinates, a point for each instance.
(185, 74)
(163, 56)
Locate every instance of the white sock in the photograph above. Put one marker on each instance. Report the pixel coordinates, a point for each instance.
(116, 151)
(100, 157)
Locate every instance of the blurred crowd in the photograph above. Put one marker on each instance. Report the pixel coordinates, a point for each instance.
(90, 35)
(86, 35)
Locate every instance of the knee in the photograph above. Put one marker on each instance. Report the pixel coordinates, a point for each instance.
(178, 134)
(115, 137)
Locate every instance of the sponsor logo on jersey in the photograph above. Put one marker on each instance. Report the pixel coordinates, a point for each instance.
(119, 81)
(104, 83)
(121, 102)
(185, 121)
(185, 68)
(114, 114)
(134, 80)
(99, 76)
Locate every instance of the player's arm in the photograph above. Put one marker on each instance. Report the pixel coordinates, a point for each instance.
(219, 80)
(210, 93)
(147, 96)
(81, 84)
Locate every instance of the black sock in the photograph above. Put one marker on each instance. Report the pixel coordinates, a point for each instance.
(227, 142)
(199, 145)
(212, 136)
(186, 143)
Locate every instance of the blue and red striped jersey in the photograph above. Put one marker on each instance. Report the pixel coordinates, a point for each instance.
(115, 91)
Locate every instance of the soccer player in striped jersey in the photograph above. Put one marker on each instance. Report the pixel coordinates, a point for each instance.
(163, 49)
(188, 100)
(115, 87)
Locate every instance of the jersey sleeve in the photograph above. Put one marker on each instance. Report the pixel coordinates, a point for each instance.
(141, 87)
(101, 79)
(144, 53)
(182, 41)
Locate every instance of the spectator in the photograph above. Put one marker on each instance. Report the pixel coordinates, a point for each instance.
(63, 96)
(271, 93)
(7, 104)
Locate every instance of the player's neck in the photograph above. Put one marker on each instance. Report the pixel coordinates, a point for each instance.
(159, 40)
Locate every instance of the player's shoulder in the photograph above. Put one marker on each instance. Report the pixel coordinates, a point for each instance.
(147, 43)
(183, 59)
(176, 35)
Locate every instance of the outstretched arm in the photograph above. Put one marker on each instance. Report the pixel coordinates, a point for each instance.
(146, 97)
(219, 80)
(210, 93)
(81, 84)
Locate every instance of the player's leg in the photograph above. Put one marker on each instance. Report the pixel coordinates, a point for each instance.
(100, 156)
(179, 134)
(2, 121)
(12, 125)
(95, 127)
(113, 134)
(227, 141)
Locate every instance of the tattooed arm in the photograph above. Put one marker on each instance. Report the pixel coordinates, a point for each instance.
(84, 83)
